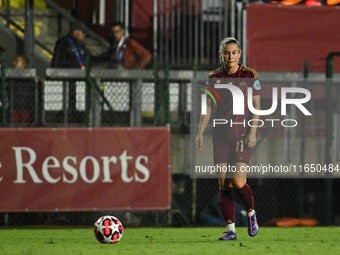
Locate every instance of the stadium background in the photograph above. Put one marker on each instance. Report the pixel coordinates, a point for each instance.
(183, 37)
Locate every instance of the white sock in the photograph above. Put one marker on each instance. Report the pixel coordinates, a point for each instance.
(251, 213)
(231, 227)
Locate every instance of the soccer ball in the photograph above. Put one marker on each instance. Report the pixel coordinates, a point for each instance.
(108, 229)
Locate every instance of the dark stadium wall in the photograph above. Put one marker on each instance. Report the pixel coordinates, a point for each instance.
(142, 19)
(142, 23)
(83, 10)
(141, 26)
(280, 38)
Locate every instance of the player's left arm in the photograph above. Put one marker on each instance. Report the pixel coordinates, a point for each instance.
(251, 137)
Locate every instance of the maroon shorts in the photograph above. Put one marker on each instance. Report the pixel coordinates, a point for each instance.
(231, 152)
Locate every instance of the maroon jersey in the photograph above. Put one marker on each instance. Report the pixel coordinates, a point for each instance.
(244, 77)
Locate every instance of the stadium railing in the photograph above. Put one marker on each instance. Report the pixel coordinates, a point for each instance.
(20, 98)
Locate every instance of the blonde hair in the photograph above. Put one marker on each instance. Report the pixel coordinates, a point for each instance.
(229, 40)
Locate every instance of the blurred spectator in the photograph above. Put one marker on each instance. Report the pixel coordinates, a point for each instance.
(20, 62)
(69, 52)
(125, 51)
(21, 95)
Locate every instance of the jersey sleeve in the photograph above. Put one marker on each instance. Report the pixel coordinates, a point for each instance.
(255, 83)
(211, 75)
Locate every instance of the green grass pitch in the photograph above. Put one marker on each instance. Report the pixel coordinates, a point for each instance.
(81, 241)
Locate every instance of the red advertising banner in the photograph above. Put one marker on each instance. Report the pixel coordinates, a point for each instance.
(280, 38)
(81, 169)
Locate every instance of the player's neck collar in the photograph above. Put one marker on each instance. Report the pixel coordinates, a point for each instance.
(238, 70)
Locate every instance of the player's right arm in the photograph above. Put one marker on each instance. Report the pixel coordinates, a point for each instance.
(204, 120)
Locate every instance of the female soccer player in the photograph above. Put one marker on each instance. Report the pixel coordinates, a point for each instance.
(232, 143)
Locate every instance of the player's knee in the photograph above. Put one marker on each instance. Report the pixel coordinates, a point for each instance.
(239, 183)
